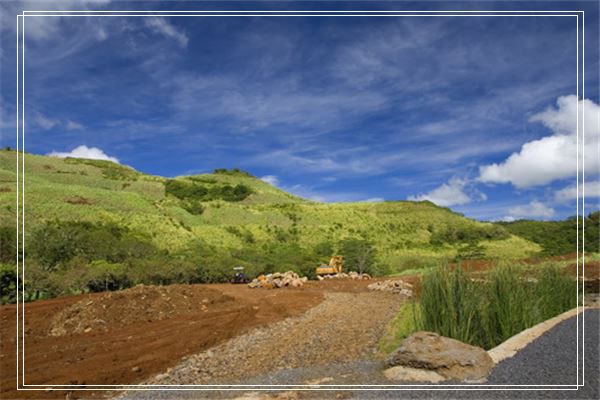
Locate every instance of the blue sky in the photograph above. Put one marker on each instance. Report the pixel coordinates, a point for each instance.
(474, 113)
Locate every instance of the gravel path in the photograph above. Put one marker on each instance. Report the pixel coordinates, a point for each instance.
(549, 360)
(344, 327)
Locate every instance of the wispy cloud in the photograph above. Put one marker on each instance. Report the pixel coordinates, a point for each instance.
(453, 193)
(161, 26)
(43, 28)
(270, 179)
(534, 209)
(570, 193)
(46, 123)
(72, 125)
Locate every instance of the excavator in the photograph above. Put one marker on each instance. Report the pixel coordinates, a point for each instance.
(336, 266)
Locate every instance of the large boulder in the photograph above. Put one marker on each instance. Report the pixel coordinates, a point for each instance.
(447, 357)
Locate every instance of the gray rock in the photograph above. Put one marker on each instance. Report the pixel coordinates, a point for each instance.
(448, 357)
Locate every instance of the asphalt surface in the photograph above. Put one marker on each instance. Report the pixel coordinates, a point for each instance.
(550, 359)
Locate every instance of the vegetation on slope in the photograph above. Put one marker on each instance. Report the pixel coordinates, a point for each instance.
(559, 237)
(150, 229)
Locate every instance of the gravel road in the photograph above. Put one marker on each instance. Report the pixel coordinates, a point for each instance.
(344, 327)
(549, 360)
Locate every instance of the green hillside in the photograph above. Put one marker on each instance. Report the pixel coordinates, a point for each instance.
(227, 218)
(559, 237)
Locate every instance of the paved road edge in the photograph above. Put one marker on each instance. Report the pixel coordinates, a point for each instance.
(510, 347)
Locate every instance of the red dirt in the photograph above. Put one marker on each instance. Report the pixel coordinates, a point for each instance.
(130, 345)
(592, 269)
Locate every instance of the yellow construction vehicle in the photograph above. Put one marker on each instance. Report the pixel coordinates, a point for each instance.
(336, 266)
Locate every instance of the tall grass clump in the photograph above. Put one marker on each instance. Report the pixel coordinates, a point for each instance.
(485, 312)
(449, 304)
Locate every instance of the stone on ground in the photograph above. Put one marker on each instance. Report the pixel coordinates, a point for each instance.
(394, 286)
(448, 357)
(278, 280)
(409, 374)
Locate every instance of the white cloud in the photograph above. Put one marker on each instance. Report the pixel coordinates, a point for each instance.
(545, 160)
(72, 125)
(83, 151)
(592, 189)
(534, 209)
(162, 26)
(270, 179)
(41, 28)
(448, 194)
(45, 122)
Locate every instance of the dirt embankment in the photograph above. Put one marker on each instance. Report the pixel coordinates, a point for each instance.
(126, 337)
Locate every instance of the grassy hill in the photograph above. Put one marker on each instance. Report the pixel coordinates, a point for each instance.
(559, 237)
(231, 217)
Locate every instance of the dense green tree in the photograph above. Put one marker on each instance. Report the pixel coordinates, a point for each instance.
(359, 255)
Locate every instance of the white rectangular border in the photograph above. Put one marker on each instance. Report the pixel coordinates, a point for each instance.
(337, 13)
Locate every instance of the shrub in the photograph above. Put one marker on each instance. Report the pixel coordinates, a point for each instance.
(234, 171)
(194, 207)
(57, 242)
(8, 283)
(186, 190)
(102, 276)
(164, 271)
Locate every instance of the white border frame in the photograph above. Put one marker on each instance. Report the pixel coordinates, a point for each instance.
(229, 13)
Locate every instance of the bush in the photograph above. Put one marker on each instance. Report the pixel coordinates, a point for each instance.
(58, 242)
(186, 190)
(164, 271)
(8, 283)
(194, 207)
(234, 171)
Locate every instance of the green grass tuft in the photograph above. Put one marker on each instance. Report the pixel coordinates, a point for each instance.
(488, 310)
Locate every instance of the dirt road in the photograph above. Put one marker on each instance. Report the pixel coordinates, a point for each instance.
(126, 352)
(344, 327)
(130, 338)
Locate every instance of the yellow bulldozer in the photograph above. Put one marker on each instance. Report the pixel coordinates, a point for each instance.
(336, 266)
